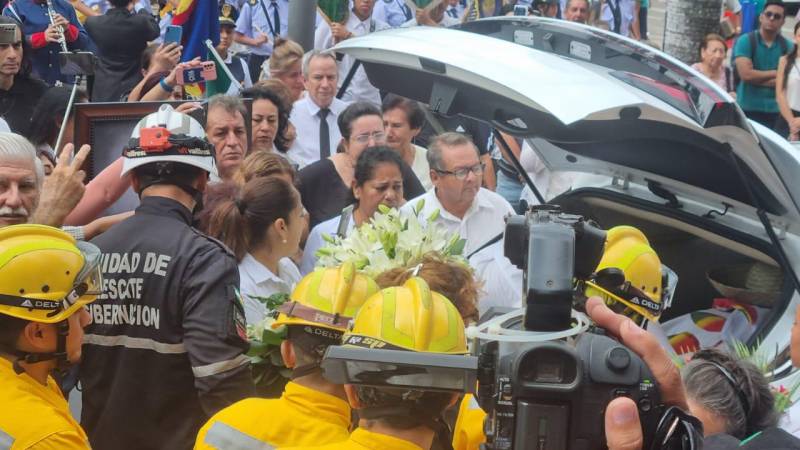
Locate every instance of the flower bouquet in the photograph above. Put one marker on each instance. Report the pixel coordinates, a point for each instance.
(269, 373)
(391, 239)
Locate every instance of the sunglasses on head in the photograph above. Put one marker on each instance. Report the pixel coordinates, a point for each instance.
(771, 15)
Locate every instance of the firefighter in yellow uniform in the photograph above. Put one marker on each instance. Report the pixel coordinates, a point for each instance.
(409, 318)
(46, 278)
(642, 298)
(311, 410)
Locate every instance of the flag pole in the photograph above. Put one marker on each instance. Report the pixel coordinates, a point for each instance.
(234, 81)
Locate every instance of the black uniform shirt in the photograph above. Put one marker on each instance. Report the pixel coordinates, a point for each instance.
(165, 347)
(17, 104)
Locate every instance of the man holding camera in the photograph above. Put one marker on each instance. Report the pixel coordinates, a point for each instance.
(45, 35)
(19, 91)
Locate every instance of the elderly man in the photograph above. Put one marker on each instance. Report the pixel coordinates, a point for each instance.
(25, 196)
(226, 130)
(314, 116)
(477, 214)
(577, 11)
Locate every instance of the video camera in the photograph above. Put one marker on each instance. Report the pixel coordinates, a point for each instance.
(546, 379)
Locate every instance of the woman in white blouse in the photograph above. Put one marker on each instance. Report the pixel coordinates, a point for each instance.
(377, 181)
(787, 92)
(262, 224)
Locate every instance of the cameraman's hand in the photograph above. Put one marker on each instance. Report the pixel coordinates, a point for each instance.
(172, 78)
(646, 346)
(623, 428)
(622, 425)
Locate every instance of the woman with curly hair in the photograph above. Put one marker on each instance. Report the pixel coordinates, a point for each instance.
(452, 279)
(270, 118)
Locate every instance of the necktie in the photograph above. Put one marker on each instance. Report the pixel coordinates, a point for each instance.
(276, 18)
(452, 12)
(324, 134)
(406, 11)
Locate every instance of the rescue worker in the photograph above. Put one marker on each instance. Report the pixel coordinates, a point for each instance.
(311, 410)
(44, 36)
(165, 350)
(411, 318)
(46, 278)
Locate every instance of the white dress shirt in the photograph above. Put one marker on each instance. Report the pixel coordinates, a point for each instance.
(627, 10)
(484, 220)
(305, 148)
(393, 12)
(360, 89)
(256, 280)
(501, 280)
(550, 184)
(252, 21)
(315, 241)
(421, 168)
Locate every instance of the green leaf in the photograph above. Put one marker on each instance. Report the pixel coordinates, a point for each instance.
(274, 337)
(458, 247)
(418, 207)
(257, 348)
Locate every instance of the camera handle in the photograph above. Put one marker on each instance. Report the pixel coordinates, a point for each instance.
(68, 111)
(506, 150)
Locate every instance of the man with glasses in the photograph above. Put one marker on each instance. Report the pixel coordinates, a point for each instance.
(314, 116)
(757, 54)
(477, 214)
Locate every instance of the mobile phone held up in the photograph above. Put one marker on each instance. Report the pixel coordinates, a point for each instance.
(206, 72)
(520, 10)
(173, 35)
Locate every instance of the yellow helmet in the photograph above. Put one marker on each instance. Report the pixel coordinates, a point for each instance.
(327, 297)
(641, 296)
(409, 317)
(45, 275)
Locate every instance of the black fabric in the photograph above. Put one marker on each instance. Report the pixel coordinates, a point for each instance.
(17, 104)
(613, 5)
(254, 63)
(237, 68)
(324, 134)
(767, 119)
(276, 18)
(121, 36)
(137, 395)
(325, 195)
(769, 439)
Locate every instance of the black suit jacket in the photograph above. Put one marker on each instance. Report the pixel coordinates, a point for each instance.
(121, 36)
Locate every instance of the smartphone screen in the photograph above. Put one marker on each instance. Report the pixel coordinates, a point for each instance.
(194, 75)
(520, 10)
(173, 35)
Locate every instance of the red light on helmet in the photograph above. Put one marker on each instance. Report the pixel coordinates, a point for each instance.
(154, 139)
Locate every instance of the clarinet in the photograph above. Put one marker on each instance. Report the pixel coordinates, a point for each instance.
(51, 13)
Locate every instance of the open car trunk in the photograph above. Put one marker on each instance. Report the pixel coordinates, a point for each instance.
(690, 248)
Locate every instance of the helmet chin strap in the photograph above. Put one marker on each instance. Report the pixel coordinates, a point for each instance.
(60, 355)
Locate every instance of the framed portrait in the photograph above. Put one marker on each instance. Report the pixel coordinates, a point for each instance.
(107, 127)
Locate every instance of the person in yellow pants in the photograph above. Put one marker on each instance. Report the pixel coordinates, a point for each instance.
(408, 318)
(46, 278)
(311, 410)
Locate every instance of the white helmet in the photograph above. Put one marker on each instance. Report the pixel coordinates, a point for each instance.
(167, 135)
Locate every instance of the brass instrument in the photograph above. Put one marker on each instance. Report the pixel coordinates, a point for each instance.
(51, 13)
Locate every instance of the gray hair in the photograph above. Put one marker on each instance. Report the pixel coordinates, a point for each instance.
(16, 148)
(311, 54)
(569, 2)
(709, 387)
(448, 139)
(229, 103)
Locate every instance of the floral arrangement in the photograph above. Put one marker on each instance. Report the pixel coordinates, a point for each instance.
(392, 239)
(269, 373)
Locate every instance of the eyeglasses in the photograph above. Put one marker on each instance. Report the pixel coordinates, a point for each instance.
(773, 16)
(461, 174)
(378, 136)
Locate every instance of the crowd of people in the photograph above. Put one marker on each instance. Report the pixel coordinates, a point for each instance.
(143, 319)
